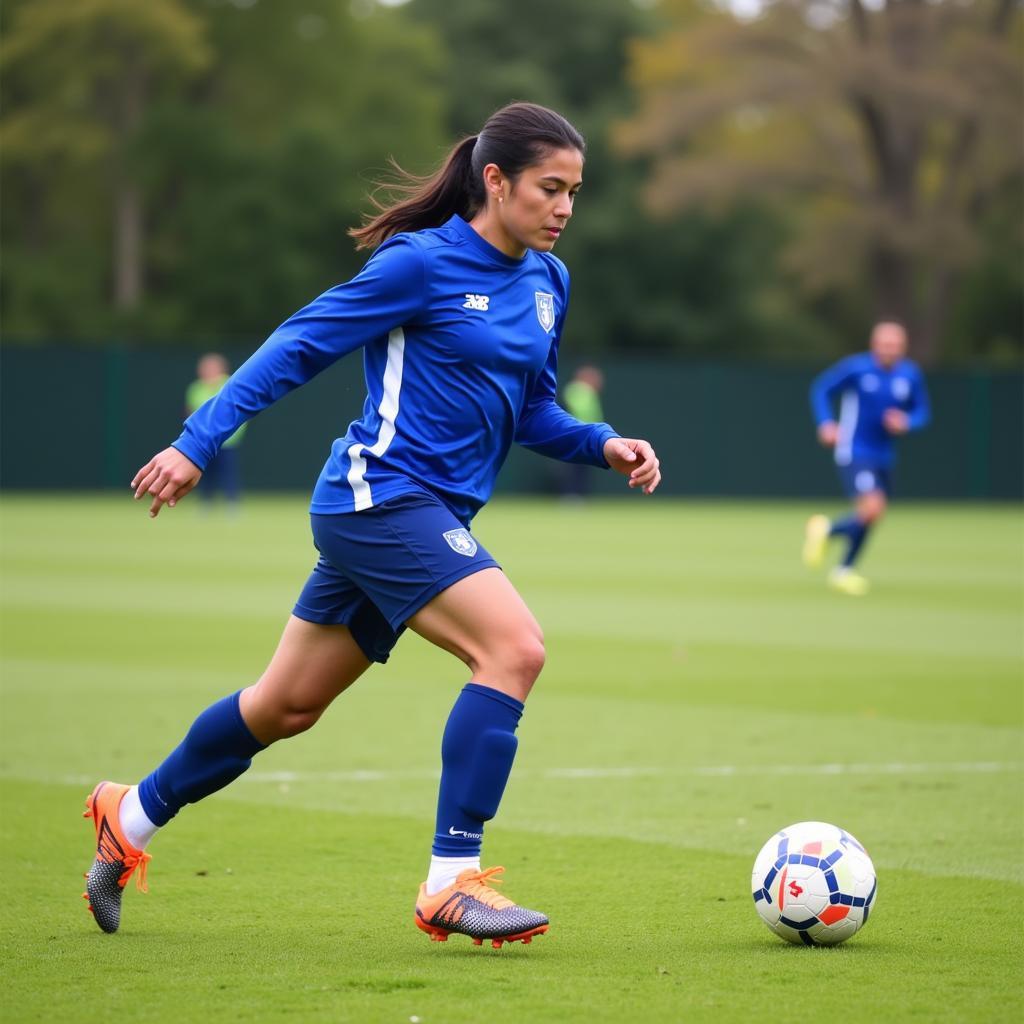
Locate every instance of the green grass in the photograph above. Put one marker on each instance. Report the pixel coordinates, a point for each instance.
(702, 691)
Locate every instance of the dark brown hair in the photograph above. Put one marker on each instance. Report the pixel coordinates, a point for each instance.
(515, 137)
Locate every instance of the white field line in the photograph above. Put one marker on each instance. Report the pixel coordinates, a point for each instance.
(721, 771)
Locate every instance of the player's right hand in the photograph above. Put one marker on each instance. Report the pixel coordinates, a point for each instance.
(828, 433)
(895, 421)
(168, 476)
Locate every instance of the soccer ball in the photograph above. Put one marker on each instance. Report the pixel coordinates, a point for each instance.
(814, 883)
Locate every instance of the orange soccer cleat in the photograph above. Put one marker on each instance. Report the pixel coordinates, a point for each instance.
(116, 859)
(469, 906)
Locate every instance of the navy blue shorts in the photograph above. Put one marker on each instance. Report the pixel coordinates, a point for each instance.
(862, 478)
(380, 566)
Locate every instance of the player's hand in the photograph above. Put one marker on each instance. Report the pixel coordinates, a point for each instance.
(895, 421)
(168, 476)
(636, 459)
(828, 433)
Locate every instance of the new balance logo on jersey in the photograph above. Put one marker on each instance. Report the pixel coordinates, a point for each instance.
(480, 302)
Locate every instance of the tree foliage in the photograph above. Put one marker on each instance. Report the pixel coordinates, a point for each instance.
(242, 132)
(186, 170)
(79, 80)
(888, 133)
(642, 281)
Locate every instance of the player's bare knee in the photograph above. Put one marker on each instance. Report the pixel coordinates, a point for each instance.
(525, 659)
(536, 656)
(274, 716)
(512, 665)
(293, 721)
(874, 510)
(281, 721)
(870, 508)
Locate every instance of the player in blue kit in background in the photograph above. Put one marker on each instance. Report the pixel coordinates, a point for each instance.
(881, 395)
(459, 313)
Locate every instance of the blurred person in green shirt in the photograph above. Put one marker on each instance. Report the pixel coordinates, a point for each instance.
(222, 474)
(581, 398)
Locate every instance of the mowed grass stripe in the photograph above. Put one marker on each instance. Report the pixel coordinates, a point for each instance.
(575, 802)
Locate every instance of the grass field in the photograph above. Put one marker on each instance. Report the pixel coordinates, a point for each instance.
(702, 690)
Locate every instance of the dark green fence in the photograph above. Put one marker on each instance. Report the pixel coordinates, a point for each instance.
(84, 419)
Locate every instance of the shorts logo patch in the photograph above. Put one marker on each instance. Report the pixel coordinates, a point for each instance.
(461, 542)
(545, 309)
(864, 481)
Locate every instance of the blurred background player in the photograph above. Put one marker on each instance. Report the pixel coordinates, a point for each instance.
(881, 395)
(222, 473)
(582, 399)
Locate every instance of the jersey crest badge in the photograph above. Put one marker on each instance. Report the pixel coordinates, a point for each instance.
(900, 389)
(461, 542)
(545, 309)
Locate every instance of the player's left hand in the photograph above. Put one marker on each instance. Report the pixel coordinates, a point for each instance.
(895, 421)
(636, 459)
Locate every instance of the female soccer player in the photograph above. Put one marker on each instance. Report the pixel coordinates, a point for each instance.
(459, 313)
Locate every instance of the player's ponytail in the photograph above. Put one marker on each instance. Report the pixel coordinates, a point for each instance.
(515, 137)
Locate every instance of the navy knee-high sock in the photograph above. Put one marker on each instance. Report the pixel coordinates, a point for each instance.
(857, 539)
(214, 752)
(477, 751)
(856, 533)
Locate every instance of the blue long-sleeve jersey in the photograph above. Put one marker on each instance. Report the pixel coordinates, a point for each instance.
(865, 389)
(460, 354)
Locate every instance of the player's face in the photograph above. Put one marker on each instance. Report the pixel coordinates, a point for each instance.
(211, 367)
(888, 343)
(537, 206)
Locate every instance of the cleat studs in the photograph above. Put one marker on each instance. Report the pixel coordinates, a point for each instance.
(496, 943)
(527, 940)
(478, 942)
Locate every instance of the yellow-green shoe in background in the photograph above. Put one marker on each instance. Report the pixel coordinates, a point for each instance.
(816, 540)
(846, 581)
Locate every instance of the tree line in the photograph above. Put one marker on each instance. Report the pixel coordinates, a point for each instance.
(184, 171)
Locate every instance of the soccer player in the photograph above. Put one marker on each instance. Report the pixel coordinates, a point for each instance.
(222, 472)
(582, 398)
(882, 395)
(458, 312)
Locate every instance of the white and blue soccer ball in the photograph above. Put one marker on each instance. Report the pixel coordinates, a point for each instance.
(814, 883)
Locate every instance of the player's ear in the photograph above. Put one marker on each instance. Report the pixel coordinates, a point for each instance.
(494, 181)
